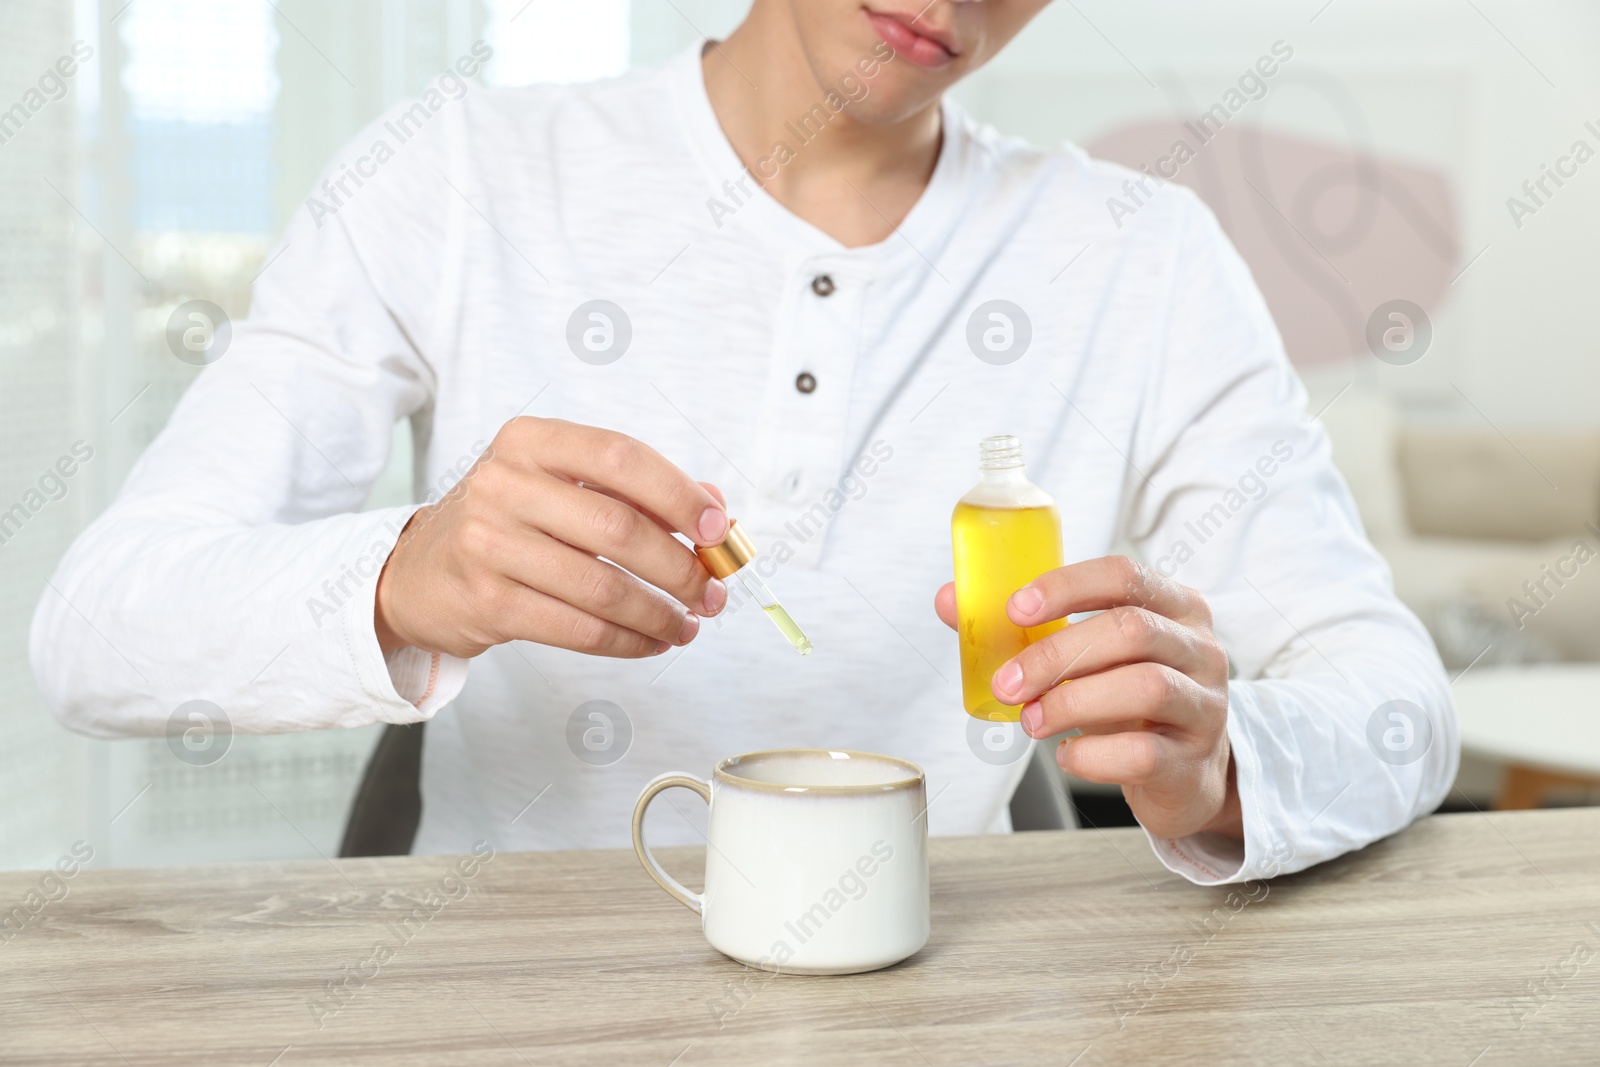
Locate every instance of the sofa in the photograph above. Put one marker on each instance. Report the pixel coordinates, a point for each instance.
(1493, 536)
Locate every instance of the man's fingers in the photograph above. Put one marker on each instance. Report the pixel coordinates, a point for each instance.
(529, 615)
(1107, 582)
(634, 504)
(646, 512)
(626, 466)
(1132, 758)
(944, 604)
(601, 589)
(561, 534)
(1138, 691)
(514, 612)
(1113, 638)
(601, 525)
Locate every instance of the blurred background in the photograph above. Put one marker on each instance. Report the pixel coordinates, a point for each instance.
(1413, 187)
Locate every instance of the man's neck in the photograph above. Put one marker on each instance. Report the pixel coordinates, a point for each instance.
(852, 181)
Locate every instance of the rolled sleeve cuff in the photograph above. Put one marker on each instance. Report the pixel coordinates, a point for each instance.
(1214, 859)
(408, 684)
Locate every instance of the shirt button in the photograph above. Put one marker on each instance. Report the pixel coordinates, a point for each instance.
(791, 484)
(822, 285)
(806, 382)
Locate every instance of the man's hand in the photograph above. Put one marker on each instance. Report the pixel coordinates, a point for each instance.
(510, 554)
(1145, 682)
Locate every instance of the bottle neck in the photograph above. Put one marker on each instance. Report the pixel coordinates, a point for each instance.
(1002, 452)
(1017, 475)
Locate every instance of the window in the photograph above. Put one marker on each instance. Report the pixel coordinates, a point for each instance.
(163, 173)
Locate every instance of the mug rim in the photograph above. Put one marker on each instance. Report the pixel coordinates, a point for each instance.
(722, 773)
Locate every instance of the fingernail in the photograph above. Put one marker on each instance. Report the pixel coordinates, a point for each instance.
(690, 627)
(1032, 718)
(662, 647)
(713, 524)
(1027, 600)
(716, 597)
(1061, 754)
(1008, 679)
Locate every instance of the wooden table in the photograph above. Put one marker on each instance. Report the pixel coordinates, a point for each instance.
(1050, 948)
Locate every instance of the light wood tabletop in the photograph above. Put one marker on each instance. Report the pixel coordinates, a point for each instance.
(1465, 940)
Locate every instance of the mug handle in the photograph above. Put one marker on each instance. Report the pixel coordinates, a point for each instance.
(688, 898)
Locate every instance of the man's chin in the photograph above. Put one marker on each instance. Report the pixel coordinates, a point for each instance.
(881, 108)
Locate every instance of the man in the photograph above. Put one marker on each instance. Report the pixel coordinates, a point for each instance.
(776, 263)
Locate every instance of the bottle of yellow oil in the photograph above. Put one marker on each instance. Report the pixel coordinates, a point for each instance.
(1005, 533)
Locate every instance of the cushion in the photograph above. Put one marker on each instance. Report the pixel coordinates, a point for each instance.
(1471, 594)
(1553, 598)
(1469, 481)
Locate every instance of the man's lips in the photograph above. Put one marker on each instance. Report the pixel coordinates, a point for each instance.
(923, 47)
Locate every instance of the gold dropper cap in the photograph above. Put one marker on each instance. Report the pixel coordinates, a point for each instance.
(729, 559)
(725, 559)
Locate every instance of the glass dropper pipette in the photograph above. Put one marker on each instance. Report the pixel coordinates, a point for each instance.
(731, 560)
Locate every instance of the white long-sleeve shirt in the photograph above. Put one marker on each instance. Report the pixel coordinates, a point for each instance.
(442, 283)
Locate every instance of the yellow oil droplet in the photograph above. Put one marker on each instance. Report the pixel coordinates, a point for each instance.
(786, 625)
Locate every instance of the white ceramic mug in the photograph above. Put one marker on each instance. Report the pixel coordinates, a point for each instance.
(817, 860)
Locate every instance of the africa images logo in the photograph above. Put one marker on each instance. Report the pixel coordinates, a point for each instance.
(1399, 732)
